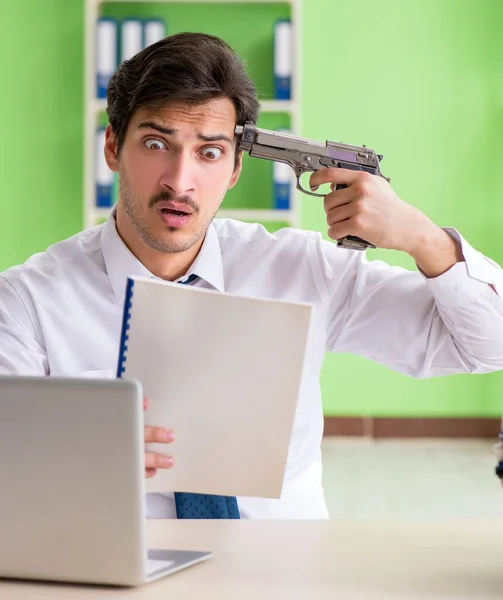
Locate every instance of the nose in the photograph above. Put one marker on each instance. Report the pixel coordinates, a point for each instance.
(178, 176)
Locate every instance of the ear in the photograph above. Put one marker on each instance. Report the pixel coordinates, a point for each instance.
(111, 149)
(237, 172)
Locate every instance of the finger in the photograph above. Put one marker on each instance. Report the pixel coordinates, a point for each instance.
(338, 198)
(150, 473)
(153, 460)
(342, 229)
(158, 434)
(335, 175)
(340, 214)
(145, 403)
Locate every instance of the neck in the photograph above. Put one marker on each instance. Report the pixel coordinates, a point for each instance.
(165, 265)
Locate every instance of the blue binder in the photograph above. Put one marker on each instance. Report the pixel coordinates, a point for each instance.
(282, 60)
(106, 54)
(104, 176)
(282, 186)
(282, 182)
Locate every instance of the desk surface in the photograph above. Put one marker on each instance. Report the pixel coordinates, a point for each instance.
(314, 560)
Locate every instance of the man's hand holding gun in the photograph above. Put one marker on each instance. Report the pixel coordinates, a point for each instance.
(362, 209)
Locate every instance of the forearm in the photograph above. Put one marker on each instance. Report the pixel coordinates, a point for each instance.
(427, 327)
(436, 252)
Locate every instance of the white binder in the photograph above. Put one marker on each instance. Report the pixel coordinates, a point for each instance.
(282, 60)
(104, 176)
(131, 38)
(282, 178)
(106, 54)
(154, 31)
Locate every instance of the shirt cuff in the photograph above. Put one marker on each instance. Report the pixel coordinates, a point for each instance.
(466, 281)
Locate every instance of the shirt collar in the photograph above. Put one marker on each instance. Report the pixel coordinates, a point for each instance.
(120, 262)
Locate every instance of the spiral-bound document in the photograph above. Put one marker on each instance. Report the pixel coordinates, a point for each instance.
(224, 372)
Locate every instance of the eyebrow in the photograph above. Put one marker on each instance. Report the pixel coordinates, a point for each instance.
(160, 128)
(170, 131)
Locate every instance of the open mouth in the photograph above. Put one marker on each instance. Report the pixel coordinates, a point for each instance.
(174, 219)
(178, 213)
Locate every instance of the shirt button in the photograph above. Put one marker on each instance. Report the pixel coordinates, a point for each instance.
(458, 287)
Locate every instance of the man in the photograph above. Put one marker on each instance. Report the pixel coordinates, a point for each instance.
(172, 111)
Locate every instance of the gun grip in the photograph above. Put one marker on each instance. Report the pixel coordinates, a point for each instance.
(352, 242)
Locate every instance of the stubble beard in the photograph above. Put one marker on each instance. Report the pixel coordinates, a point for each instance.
(133, 209)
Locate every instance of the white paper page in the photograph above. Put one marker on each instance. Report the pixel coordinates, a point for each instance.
(224, 373)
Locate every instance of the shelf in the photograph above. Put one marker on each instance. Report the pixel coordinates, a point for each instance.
(100, 105)
(247, 26)
(239, 214)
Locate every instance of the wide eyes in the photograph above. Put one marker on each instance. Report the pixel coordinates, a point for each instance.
(212, 153)
(154, 144)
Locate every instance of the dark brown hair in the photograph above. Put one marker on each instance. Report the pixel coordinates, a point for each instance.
(188, 67)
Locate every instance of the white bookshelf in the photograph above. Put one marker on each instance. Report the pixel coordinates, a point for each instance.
(94, 106)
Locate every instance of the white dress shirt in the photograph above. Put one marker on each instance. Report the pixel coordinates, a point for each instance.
(61, 311)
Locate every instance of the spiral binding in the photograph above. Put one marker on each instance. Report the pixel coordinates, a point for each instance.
(128, 303)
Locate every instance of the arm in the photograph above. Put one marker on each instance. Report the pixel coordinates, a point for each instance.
(21, 347)
(417, 326)
(366, 205)
(448, 318)
(22, 353)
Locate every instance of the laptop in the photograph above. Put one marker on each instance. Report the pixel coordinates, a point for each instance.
(72, 484)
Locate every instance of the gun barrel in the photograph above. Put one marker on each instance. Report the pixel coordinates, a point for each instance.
(252, 136)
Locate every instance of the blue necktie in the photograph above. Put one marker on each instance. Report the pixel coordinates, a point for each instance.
(204, 506)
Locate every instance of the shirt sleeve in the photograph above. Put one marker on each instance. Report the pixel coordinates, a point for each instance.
(20, 352)
(421, 327)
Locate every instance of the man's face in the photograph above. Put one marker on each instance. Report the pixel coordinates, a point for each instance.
(175, 167)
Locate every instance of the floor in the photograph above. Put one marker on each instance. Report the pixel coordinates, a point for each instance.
(403, 479)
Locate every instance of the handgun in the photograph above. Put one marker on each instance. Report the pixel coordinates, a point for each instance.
(304, 155)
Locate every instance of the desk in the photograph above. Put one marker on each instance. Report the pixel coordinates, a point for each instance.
(313, 560)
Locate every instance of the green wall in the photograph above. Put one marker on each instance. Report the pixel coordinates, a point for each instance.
(41, 100)
(422, 83)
